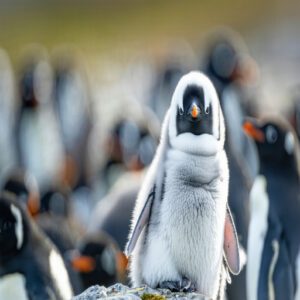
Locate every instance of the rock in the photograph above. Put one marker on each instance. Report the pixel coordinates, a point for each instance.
(123, 292)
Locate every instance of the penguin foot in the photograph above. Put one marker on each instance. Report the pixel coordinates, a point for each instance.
(185, 285)
(173, 286)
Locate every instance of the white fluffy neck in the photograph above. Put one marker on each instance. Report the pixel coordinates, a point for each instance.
(203, 145)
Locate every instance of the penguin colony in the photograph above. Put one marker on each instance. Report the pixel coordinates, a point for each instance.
(211, 208)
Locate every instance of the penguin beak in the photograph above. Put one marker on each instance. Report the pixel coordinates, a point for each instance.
(33, 204)
(194, 111)
(83, 264)
(252, 130)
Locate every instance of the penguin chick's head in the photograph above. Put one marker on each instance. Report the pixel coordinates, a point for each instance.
(275, 140)
(196, 120)
(12, 226)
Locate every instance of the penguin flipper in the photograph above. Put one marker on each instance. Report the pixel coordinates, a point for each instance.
(276, 271)
(141, 222)
(231, 245)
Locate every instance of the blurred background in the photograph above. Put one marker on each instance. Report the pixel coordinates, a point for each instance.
(84, 86)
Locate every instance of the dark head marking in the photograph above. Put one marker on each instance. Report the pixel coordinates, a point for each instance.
(275, 142)
(194, 117)
(9, 222)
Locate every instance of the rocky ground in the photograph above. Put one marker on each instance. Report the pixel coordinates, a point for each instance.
(122, 292)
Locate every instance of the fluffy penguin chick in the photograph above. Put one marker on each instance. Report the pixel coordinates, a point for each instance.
(182, 225)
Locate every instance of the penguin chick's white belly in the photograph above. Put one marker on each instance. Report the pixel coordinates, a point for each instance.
(191, 220)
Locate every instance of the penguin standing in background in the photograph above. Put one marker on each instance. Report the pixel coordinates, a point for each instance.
(72, 107)
(39, 145)
(71, 103)
(182, 225)
(274, 242)
(30, 266)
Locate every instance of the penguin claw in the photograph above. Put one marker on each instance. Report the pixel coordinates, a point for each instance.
(185, 286)
(173, 286)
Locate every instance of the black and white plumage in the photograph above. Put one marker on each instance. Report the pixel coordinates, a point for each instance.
(30, 266)
(181, 219)
(273, 239)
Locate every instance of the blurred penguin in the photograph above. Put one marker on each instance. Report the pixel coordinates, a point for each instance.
(50, 213)
(24, 186)
(99, 261)
(274, 240)
(137, 145)
(72, 106)
(64, 232)
(38, 142)
(8, 158)
(30, 265)
(71, 101)
(223, 66)
(130, 148)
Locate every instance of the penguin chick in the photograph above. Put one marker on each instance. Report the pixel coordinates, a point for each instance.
(182, 225)
(273, 240)
(30, 265)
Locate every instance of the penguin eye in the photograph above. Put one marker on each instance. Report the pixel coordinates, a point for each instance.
(271, 134)
(180, 111)
(207, 110)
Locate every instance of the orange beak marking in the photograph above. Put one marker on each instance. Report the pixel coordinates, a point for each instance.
(33, 204)
(84, 264)
(195, 111)
(253, 132)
